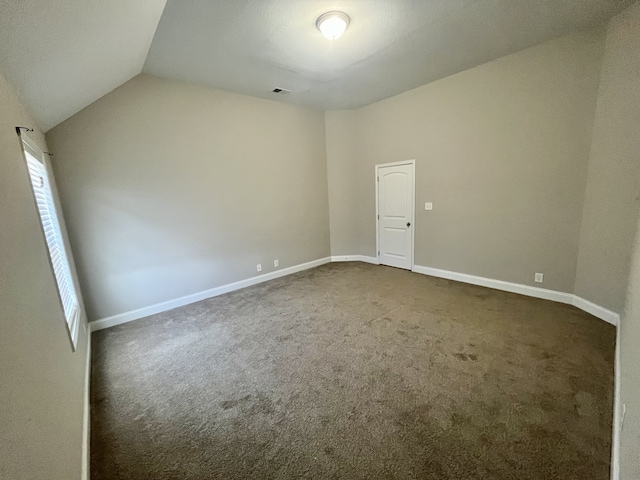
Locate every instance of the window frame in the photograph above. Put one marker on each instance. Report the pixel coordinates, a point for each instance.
(62, 273)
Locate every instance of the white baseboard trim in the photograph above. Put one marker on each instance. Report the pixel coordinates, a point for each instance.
(196, 297)
(617, 420)
(546, 294)
(561, 297)
(596, 310)
(355, 258)
(536, 292)
(86, 414)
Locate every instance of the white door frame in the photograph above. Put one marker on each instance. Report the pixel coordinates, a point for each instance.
(413, 210)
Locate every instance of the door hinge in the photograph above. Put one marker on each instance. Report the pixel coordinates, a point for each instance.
(378, 252)
(378, 217)
(378, 178)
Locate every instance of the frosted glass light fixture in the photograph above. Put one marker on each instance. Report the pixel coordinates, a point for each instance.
(333, 24)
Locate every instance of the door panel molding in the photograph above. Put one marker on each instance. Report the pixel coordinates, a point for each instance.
(411, 230)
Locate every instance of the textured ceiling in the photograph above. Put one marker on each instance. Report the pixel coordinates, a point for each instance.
(252, 46)
(62, 55)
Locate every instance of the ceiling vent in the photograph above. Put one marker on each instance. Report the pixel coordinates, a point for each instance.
(281, 91)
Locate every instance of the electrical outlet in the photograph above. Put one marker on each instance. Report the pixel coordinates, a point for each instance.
(259, 267)
(539, 277)
(428, 206)
(276, 263)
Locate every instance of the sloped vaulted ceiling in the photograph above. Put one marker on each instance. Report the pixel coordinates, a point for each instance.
(62, 55)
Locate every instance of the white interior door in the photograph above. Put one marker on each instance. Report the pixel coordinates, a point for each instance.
(395, 214)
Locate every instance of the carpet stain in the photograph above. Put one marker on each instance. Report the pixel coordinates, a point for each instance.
(227, 404)
(466, 356)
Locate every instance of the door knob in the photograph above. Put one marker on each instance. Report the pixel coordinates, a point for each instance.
(408, 224)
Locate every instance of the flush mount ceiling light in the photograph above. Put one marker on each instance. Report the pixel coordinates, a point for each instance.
(333, 24)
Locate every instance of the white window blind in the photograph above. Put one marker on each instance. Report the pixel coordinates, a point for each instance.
(53, 237)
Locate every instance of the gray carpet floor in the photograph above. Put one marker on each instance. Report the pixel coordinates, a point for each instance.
(354, 371)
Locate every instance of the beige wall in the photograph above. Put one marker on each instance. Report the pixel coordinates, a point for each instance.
(172, 189)
(342, 169)
(629, 339)
(612, 200)
(611, 216)
(41, 379)
(502, 152)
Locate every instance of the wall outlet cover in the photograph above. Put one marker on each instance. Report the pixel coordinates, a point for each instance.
(539, 277)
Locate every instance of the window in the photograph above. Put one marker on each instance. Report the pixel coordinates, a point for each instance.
(53, 236)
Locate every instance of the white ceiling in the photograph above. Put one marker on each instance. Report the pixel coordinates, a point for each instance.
(391, 46)
(62, 55)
